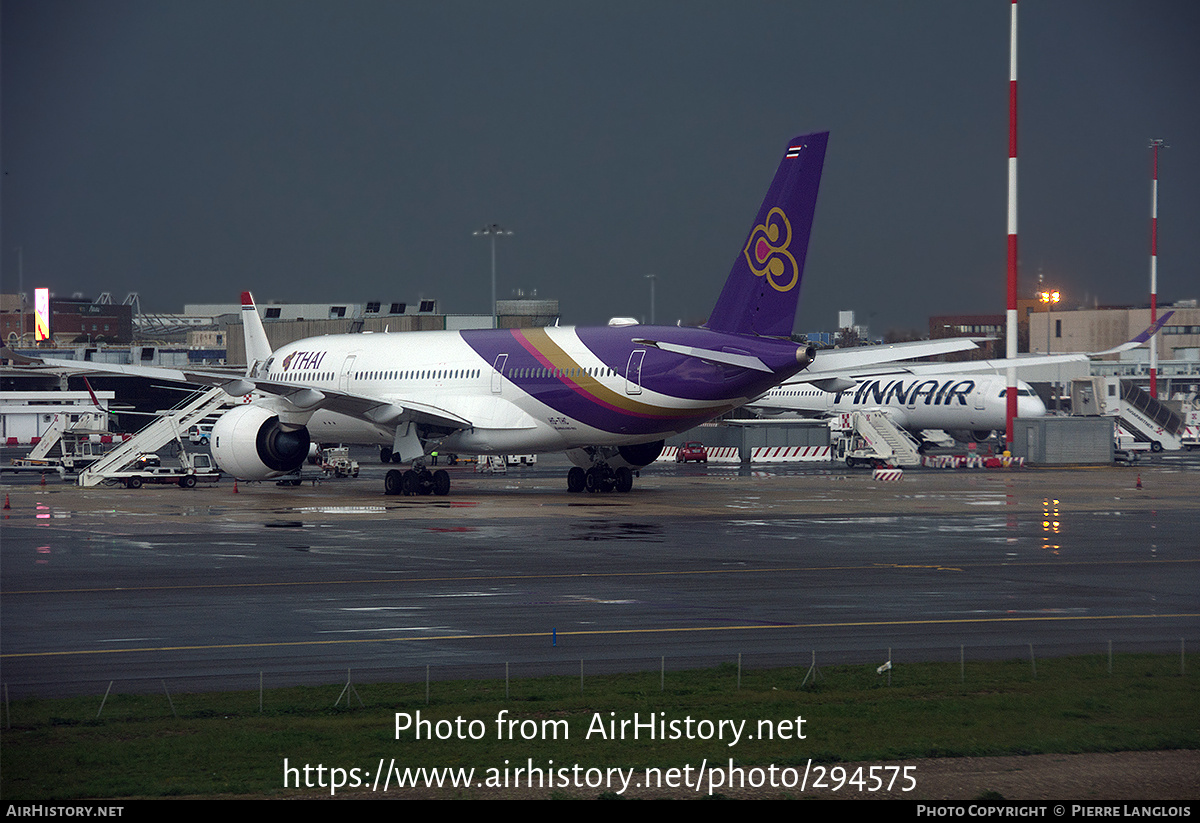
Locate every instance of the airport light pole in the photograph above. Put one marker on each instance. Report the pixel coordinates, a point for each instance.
(651, 278)
(1049, 297)
(493, 230)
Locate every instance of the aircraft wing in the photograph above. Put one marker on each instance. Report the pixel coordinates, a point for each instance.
(972, 366)
(840, 369)
(858, 357)
(836, 370)
(301, 398)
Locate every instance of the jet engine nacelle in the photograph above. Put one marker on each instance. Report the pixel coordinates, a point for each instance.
(251, 443)
(643, 454)
(631, 457)
(970, 435)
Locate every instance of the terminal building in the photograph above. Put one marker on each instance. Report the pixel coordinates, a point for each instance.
(211, 334)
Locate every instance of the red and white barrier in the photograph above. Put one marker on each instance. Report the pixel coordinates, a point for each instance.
(762, 454)
(790, 454)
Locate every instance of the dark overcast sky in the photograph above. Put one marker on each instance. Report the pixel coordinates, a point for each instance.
(321, 151)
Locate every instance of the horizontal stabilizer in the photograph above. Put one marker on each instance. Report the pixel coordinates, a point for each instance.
(744, 361)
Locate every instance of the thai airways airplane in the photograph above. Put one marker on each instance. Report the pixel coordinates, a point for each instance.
(606, 396)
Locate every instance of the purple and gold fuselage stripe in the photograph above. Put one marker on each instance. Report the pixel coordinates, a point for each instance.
(538, 343)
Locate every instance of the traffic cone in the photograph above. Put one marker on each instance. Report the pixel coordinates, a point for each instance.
(43, 478)
(6, 502)
(235, 491)
(1139, 483)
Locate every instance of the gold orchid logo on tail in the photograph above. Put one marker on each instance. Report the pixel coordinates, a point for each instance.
(768, 255)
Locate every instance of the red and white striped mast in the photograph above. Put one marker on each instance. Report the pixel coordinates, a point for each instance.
(1155, 145)
(1011, 347)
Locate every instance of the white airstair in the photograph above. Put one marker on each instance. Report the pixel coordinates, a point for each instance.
(1147, 419)
(171, 426)
(874, 438)
(50, 446)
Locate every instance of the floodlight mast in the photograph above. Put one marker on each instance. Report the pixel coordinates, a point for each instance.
(651, 278)
(492, 231)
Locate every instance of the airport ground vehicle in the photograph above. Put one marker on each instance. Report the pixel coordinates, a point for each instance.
(200, 434)
(192, 469)
(692, 450)
(337, 462)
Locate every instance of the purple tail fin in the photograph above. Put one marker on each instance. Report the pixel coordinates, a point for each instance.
(761, 293)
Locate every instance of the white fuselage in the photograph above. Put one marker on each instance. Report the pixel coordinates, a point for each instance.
(950, 402)
(515, 401)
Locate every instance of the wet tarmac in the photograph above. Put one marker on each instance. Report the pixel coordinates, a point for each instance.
(205, 589)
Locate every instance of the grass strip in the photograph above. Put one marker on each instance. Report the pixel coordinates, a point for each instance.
(221, 744)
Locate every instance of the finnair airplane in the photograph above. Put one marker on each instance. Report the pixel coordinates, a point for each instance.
(965, 406)
(965, 403)
(606, 396)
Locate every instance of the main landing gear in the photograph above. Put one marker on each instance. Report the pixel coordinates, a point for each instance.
(600, 478)
(417, 480)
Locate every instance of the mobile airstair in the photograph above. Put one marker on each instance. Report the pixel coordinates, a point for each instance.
(57, 449)
(1148, 420)
(171, 426)
(870, 438)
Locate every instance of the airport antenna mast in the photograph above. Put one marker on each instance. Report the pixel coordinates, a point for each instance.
(1155, 145)
(1011, 342)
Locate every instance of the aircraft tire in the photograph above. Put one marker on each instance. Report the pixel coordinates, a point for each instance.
(409, 483)
(624, 480)
(441, 482)
(576, 480)
(392, 482)
(385, 455)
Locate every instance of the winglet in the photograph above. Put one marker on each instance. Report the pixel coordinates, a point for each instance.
(92, 394)
(762, 291)
(1145, 336)
(258, 348)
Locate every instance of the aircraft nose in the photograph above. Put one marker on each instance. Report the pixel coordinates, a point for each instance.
(1031, 407)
